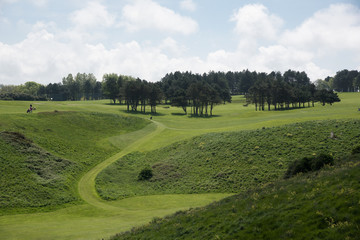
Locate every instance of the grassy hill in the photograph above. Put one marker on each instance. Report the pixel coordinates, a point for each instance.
(226, 162)
(320, 205)
(42, 155)
(31, 176)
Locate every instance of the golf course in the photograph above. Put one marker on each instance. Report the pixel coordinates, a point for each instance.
(70, 168)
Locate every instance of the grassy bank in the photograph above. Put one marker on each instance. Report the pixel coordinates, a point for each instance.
(226, 162)
(321, 205)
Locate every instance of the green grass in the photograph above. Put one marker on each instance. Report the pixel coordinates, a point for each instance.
(88, 222)
(91, 146)
(51, 151)
(321, 205)
(226, 162)
(32, 177)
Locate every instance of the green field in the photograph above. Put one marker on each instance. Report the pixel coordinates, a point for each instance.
(78, 140)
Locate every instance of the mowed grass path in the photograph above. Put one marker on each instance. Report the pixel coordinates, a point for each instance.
(97, 219)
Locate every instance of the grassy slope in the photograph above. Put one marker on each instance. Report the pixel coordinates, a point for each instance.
(226, 162)
(31, 176)
(74, 142)
(323, 205)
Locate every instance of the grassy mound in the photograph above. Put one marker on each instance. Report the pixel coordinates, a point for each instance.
(321, 205)
(43, 155)
(226, 162)
(31, 176)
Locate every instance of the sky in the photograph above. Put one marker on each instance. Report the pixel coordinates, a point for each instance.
(45, 40)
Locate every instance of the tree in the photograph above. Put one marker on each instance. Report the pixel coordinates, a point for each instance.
(356, 83)
(110, 87)
(155, 96)
(327, 96)
(343, 80)
(322, 84)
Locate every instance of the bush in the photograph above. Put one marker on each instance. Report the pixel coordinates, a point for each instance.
(321, 160)
(145, 174)
(356, 150)
(308, 164)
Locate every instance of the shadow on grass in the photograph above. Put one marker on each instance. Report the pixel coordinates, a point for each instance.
(178, 114)
(142, 113)
(195, 116)
(114, 104)
(203, 116)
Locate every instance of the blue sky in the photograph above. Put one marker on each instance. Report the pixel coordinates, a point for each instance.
(44, 40)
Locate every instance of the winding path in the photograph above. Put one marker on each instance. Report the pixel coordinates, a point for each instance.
(86, 185)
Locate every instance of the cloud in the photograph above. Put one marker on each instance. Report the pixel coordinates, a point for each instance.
(254, 21)
(336, 28)
(147, 14)
(174, 48)
(92, 16)
(45, 55)
(315, 46)
(320, 46)
(188, 5)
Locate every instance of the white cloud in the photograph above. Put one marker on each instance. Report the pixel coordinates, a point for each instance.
(92, 16)
(188, 5)
(254, 21)
(169, 44)
(48, 55)
(335, 28)
(147, 14)
(314, 47)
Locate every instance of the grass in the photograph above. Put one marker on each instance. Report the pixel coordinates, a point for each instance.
(226, 162)
(49, 151)
(87, 220)
(33, 177)
(321, 205)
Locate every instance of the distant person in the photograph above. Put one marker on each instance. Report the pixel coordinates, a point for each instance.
(30, 109)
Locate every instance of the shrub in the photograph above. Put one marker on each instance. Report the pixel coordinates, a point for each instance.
(356, 150)
(308, 164)
(145, 174)
(321, 160)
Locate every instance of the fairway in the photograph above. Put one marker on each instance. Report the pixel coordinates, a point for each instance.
(93, 218)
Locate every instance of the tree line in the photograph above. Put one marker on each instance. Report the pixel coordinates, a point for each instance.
(198, 92)
(133, 92)
(290, 90)
(343, 81)
(81, 87)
